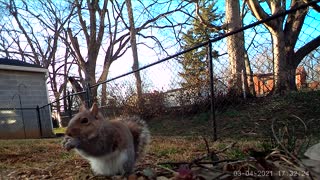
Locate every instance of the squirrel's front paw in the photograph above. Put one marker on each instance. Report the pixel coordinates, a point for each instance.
(69, 143)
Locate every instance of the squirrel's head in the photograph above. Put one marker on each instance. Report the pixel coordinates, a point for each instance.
(85, 123)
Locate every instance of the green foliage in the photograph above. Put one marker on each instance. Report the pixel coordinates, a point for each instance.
(194, 63)
(236, 153)
(267, 146)
(168, 151)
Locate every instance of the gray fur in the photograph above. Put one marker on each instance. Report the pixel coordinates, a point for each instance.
(109, 146)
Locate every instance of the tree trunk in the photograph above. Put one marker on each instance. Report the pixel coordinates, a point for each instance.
(291, 79)
(280, 74)
(249, 76)
(284, 66)
(58, 106)
(134, 48)
(284, 38)
(103, 101)
(236, 50)
(104, 95)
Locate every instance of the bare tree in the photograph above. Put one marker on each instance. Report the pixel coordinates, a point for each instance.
(93, 35)
(285, 32)
(106, 35)
(38, 43)
(133, 42)
(236, 49)
(97, 34)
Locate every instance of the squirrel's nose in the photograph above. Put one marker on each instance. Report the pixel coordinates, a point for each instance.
(72, 132)
(68, 132)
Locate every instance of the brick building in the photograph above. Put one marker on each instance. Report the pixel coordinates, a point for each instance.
(263, 83)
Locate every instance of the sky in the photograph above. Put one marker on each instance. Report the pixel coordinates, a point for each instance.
(309, 31)
(163, 75)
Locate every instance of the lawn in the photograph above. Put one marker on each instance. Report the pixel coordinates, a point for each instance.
(244, 133)
(45, 159)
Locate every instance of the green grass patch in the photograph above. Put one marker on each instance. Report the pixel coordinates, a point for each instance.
(236, 153)
(232, 113)
(168, 151)
(61, 130)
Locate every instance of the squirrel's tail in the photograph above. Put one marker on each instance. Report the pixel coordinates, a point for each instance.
(140, 133)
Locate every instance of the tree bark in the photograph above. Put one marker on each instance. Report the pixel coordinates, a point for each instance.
(249, 75)
(104, 95)
(279, 65)
(134, 48)
(236, 50)
(284, 39)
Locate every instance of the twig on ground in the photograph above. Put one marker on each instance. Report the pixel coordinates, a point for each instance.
(204, 162)
(286, 150)
(167, 169)
(226, 148)
(280, 143)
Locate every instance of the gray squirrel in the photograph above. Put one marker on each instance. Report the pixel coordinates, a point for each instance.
(111, 146)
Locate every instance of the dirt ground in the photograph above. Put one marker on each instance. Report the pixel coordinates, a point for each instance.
(167, 158)
(45, 159)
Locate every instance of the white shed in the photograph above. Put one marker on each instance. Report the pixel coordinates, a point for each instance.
(22, 89)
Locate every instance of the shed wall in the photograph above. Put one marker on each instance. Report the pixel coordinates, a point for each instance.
(23, 91)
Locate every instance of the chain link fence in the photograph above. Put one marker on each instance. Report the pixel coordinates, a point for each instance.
(172, 91)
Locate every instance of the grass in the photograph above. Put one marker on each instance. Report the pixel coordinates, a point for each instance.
(61, 130)
(251, 119)
(179, 138)
(44, 158)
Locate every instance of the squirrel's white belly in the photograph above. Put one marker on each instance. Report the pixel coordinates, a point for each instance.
(109, 164)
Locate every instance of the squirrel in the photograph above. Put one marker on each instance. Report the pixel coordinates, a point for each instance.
(111, 146)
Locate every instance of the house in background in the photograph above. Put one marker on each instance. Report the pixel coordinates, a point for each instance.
(301, 77)
(263, 83)
(23, 88)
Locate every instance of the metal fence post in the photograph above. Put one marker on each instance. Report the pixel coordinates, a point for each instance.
(39, 120)
(243, 78)
(212, 105)
(88, 96)
(69, 105)
(22, 117)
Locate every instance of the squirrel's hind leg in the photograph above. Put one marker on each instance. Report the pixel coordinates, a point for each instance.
(128, 165)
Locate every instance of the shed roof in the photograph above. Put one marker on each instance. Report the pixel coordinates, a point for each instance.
(13, 64)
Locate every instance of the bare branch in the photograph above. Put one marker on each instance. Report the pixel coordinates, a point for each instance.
(76, 46)
(260, 14)
(159, 17)
(294, 24)
(314, 6)
(13, 11)
(82, 21)
(306, 49)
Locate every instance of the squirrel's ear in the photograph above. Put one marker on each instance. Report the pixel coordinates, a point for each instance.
(82, 108)
(94, 109)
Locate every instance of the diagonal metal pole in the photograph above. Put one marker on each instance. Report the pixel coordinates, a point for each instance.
(212, 105)
(88, 96)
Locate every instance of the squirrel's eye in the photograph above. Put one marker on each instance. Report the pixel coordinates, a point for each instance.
(84, 121)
